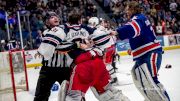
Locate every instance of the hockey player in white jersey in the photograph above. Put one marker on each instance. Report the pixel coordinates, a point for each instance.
(107, 44)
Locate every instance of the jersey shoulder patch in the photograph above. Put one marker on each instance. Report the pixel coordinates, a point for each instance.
(54, 29)
(59, 32)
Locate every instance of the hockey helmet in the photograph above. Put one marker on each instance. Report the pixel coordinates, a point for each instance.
(49, 14)
(93, 21)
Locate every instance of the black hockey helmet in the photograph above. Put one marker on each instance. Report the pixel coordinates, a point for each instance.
(49, 14)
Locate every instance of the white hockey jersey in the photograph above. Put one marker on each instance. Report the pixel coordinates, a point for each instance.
(102, 38)
(76, 33)
(52, 37)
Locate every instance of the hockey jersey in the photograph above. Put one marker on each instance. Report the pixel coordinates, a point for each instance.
(101, 37)
(141, 36)
(81, 33)
(52, 38)
(74, 34)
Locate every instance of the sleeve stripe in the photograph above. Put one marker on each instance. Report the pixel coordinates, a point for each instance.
(50, 42)
(135, 31)
(51, 39)
(99, 37)
(66, 46)
(54, 37)
(102, 43)
(136, 28)
(102, 40)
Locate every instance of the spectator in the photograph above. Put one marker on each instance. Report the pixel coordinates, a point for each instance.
(3, 35)
(153, 10)
(38, 39)
(51, 4)
(159, 30)
(172, 40)
(168, 16)
(157, 11)
(168, 25)
(116, 11)
(2, 45)
(12, 44)
(40, 23)
(34, 21)
(173, 8)
(174, 26)
(146, 6)
(163, 26)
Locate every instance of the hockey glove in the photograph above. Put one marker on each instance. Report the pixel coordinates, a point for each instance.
(96, 52)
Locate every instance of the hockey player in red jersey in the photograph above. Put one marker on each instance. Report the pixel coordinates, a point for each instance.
(89, 71)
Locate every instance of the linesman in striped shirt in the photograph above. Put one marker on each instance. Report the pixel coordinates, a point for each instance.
(54, 67)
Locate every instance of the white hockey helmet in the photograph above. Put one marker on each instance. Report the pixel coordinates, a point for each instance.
(93, 21)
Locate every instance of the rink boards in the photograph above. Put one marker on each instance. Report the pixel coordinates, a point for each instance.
(169, 42)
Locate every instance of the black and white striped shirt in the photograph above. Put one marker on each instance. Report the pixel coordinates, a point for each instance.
(58, 60)
(51, 58)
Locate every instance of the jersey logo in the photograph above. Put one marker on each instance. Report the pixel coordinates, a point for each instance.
(147, 22)
(73, 35)
(78, 33)
(54, 29)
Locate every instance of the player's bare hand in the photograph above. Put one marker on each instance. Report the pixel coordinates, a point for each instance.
(113, 33)
(84, 46)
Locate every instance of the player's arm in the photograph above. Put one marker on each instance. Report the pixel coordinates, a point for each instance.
(68, 46)
(130, 30)
(100, 38)
(50, 42)
(89, 29)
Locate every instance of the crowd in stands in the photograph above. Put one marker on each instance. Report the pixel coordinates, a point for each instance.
(163, 14)
(36, 10)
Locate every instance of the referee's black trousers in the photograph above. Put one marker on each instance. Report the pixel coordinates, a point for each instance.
(48, 76)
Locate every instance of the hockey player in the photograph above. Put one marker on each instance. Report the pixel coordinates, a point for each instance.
(89, 69)
(53, 68)
(146, 51)
(107, 44)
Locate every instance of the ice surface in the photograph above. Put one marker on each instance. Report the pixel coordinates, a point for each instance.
(168, 77)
